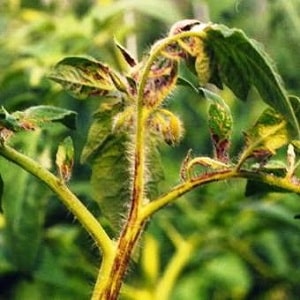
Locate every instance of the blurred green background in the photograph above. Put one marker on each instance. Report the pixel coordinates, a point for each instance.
(222, 244)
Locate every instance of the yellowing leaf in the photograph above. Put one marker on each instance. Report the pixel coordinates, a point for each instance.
(269, 133)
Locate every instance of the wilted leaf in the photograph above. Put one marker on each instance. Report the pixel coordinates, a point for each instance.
(84, 77)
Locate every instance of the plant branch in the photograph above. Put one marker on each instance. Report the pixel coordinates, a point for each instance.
(84, 216)
(178, 191)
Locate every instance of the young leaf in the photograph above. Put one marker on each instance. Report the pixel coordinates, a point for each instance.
(167, 125)
(126, 55)
(65, 158)
(267, 135)
(84, 77)
(240, 62)
(220, 125)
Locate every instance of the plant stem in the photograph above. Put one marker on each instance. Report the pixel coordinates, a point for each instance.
(84, 216)
(280, 182)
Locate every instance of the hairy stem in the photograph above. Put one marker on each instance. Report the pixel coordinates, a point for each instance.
(176, 192)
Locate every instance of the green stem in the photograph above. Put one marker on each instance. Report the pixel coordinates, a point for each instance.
(84, 216)
(280, 182)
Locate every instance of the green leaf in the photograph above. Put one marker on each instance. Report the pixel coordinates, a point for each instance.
(220, 125)
(110, 179)
(267, 135)
(107, 153)
(23, 204)
(43, 114)
(84, 77)
(100, 130)
(240, 62)
(36, 116)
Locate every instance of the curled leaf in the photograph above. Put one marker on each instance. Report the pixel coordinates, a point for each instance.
(161, 81)
(269, 133)
(65, 158)
(128, 58)
(167, 125)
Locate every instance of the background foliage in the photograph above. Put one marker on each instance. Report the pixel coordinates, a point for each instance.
(225, 245)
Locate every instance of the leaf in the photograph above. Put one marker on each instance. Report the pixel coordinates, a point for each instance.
(36, 116)
(43, 114)
(107, 153)
(84, 77)
(267, 135)
(126, 55)
(110, 179)
(240, 62)
(23, 204)
(100, 129)
(220, 125)
(65, 158)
